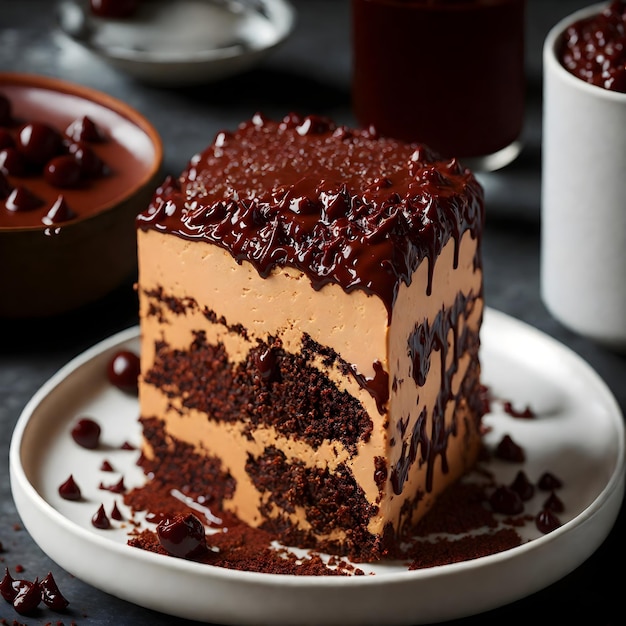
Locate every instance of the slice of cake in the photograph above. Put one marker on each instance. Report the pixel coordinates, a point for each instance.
(310, 306)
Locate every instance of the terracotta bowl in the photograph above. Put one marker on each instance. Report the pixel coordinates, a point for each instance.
(76, 167)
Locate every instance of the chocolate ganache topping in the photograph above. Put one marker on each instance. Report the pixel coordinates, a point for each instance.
(342, 205)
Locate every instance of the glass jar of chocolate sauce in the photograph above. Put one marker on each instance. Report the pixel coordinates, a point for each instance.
(447, 73)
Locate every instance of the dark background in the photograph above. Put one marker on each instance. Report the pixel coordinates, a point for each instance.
(310, 73)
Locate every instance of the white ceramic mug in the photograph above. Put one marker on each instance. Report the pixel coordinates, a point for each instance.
(583, 247)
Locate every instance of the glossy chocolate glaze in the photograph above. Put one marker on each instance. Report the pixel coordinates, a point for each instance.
(64, 157)
(594, 48)
(343, 205)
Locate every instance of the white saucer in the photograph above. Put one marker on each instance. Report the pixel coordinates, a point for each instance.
(184, 42)
(578, 435)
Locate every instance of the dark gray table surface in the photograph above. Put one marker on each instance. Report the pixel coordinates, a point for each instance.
(309, 73)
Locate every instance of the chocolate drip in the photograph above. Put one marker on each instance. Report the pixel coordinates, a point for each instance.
(428, 337)
(409, 453)
(344, 206)
(425, 339)
(378, 386)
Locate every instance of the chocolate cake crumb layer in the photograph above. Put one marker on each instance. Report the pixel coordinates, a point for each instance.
(310, 305)
(291, 396)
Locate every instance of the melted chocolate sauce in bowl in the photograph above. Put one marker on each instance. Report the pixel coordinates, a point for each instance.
(583, 252)
(76, 166)
(447, 73)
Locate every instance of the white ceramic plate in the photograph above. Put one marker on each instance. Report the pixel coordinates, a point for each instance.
(578, 435)
(184, 42)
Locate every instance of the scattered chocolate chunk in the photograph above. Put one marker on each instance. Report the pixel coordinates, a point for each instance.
(58, 212)
(100, 519)
(21, 199)
(549, 482)
(117, 487)
(12, 163)
(522, 486)
(547, 521)
(526, 413)
(123, 371)
(508, 450)
(85, 129)
(91, 165)
(8, 588)
(505, 500)
(86, 433)
(106, 466)
(51, 595)
(28, 597)
(38, 142)
(554, 503)
(116, 514)
(182, 536)
(69, 490)
(25, 596)
(62, 171)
